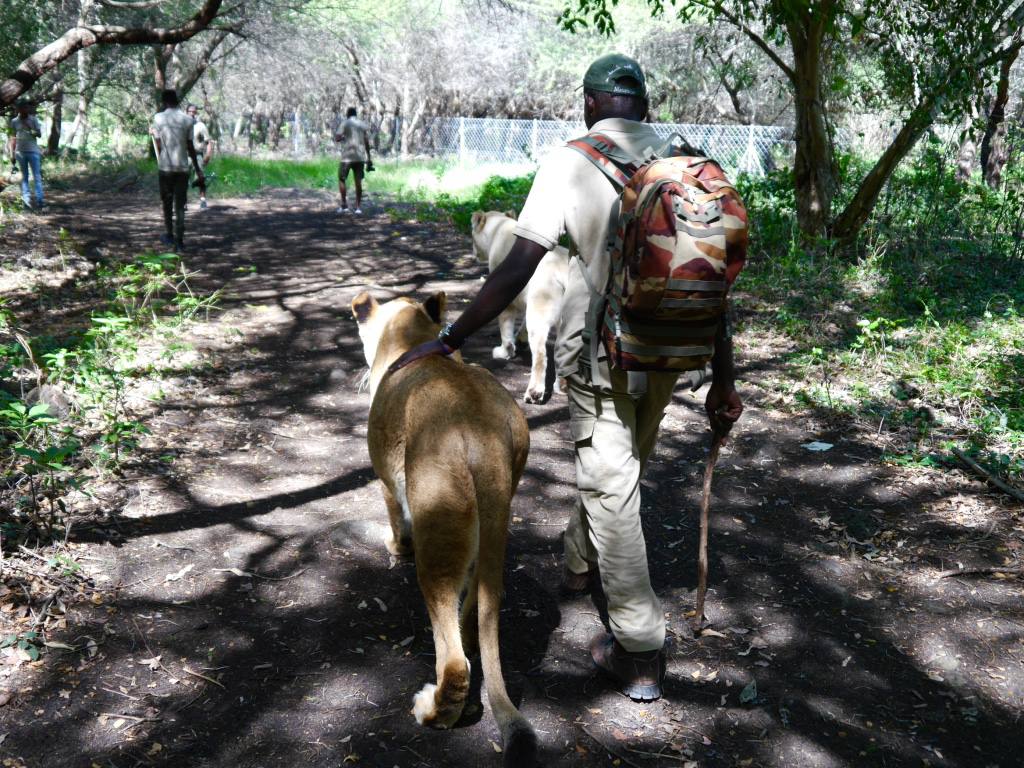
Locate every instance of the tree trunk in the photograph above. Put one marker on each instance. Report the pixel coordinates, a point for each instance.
(814, 167)
(994, 152)
(53, 140)
(394, 126)
(274, 132)
(849, 222)
(403, 141)
(80, 128)
(967, 157)
(77, 137)
(162, 55)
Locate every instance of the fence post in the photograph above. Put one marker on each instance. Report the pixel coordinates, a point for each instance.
(533, 141)
(462, 140)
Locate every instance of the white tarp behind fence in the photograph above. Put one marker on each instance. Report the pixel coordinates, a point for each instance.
(518, 142)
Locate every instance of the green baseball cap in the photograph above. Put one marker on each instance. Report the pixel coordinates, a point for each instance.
(616, 73)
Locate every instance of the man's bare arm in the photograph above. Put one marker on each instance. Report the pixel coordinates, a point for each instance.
(499, 290)
(723, 403)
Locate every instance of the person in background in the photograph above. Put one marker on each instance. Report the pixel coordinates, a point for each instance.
(25, 130)
(172, 135)
(204, 144)
(353, 138)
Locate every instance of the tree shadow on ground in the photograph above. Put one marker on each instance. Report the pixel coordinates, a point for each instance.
(294, 638)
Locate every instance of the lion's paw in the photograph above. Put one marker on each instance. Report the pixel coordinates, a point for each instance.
(534, 395)
(402, 548)
(423, 707)
(504, 351)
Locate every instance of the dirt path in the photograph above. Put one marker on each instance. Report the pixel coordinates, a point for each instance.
(248, 615)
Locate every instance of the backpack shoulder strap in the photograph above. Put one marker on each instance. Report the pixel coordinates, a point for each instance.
(610, 159)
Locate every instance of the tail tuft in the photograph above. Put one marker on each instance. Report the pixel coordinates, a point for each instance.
(520, 745)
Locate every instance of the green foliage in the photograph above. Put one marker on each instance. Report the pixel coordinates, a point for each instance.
(23, 27)
(47, 454)
(28, 642)
(916, 328)
(498, 193)
(42, 450)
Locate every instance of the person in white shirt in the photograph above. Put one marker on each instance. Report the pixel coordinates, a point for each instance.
(204, 145)
(353, 138)
(25, 130)
(172, 135)
(613, 428)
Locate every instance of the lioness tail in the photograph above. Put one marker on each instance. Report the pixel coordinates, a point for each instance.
(519, 742)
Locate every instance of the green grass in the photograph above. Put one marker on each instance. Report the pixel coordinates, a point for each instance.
(423, 182)
(916, 330)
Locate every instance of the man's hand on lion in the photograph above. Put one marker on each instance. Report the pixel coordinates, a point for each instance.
(426, 349)
(724, 408)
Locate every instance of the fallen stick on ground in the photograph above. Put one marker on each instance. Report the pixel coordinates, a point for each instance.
(987, 475)
(204, 677)
(986, 569)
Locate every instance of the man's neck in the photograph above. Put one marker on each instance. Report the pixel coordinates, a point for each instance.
(615, 120)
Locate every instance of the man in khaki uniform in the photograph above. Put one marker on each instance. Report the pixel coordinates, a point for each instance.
(353, 138)
(203, 143)
(613, 430)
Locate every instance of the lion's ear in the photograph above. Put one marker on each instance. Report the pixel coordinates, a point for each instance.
(510, 214)
(477, 220)
(363, 306)
(435, 306)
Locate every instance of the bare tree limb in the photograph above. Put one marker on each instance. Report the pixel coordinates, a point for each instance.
(759, 41)
(80, 37)
(140, 5)
(914, 126)
(998, 482)
(203, 61)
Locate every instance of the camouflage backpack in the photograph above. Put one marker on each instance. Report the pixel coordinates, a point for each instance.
(677, 241)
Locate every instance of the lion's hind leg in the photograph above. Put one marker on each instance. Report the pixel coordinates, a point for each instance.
(398, 537)
(440, 705)
(507, 327)
(468, 615)
(445, 540)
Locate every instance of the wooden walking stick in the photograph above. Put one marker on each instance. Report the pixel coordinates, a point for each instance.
(717, 438)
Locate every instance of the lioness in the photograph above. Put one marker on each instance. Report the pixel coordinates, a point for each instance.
(540, 302)
(449, 445)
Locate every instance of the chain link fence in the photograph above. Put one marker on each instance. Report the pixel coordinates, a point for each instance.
(739, 148)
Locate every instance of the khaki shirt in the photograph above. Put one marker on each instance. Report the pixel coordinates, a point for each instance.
(174, 129)
(353, 140)
(570, 195)
(200, 137)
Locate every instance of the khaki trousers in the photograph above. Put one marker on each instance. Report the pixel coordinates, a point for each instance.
(613, 436)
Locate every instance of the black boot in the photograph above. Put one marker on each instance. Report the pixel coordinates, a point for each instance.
(639, 675)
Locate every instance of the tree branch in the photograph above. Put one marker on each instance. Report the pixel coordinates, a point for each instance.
(203, 61)
(141, 5)
(759, 41)
(847, 224)
(74, 40)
